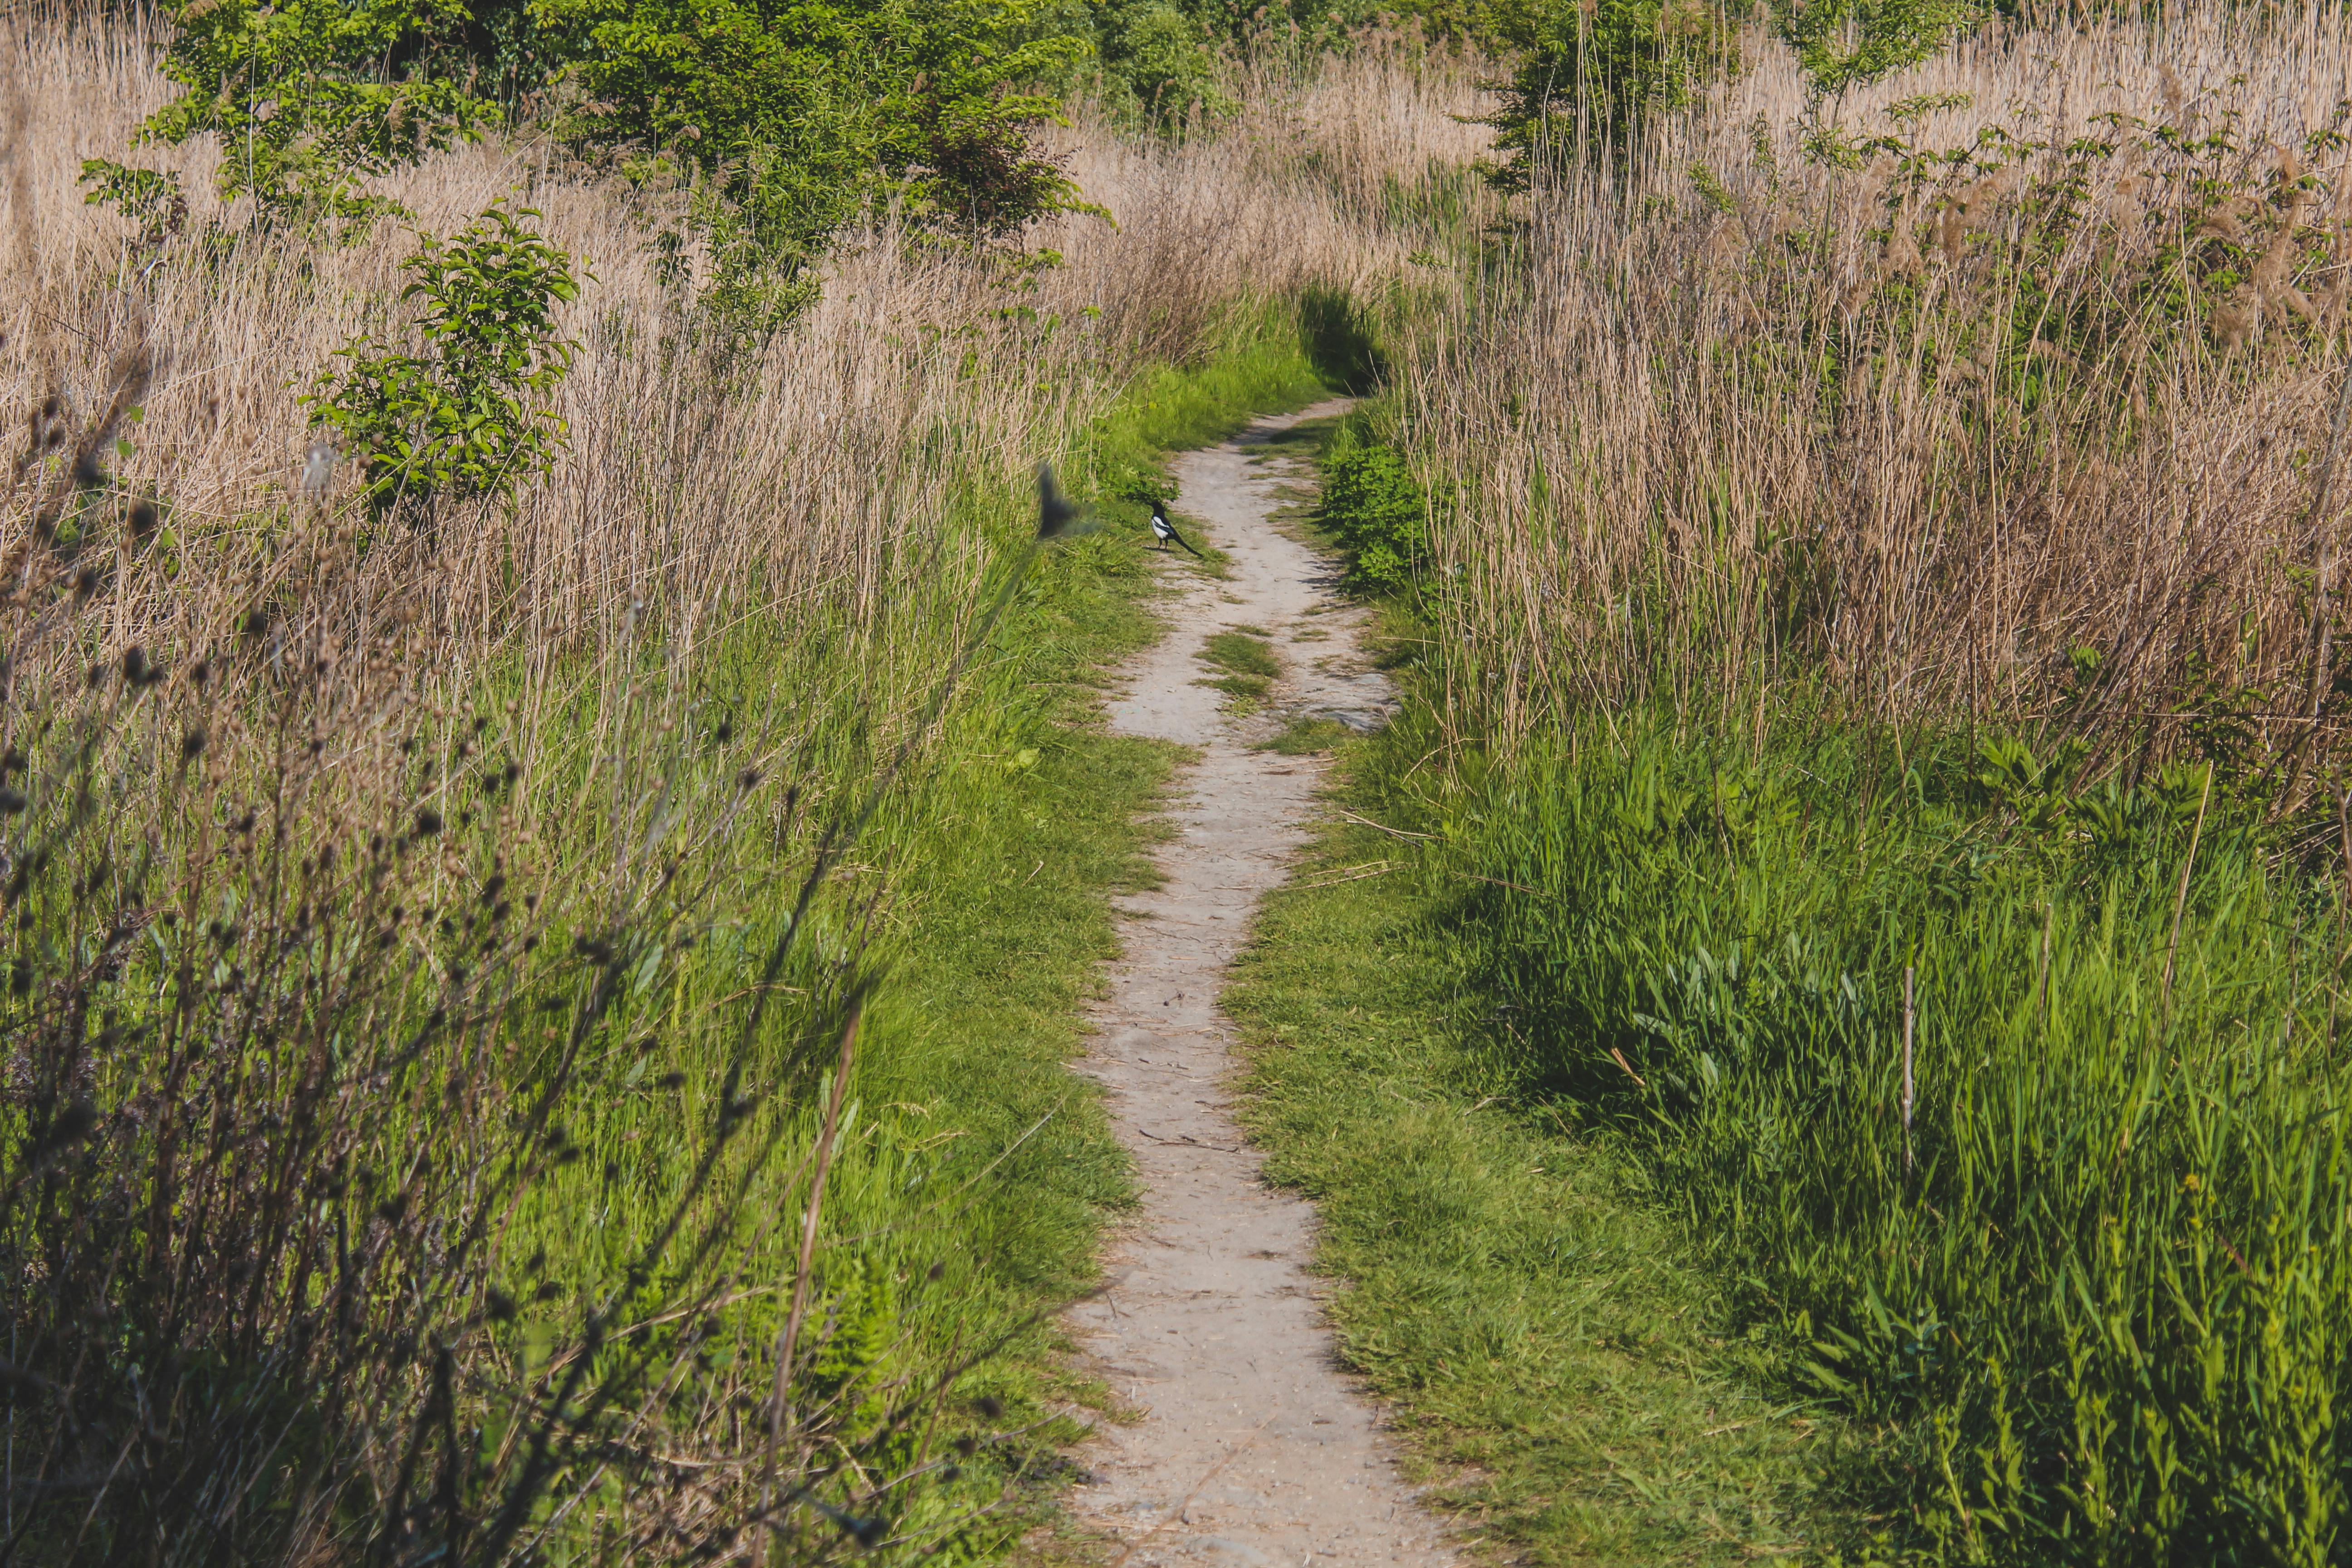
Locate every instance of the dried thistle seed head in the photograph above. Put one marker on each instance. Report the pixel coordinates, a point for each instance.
(2234, 323)
(1901, 257)
(140, 524)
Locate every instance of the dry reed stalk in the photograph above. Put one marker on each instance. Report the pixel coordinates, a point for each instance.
(1688, 452)
(811, 475)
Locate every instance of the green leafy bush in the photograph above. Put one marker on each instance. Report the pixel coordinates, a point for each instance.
(305, 101)
(151, 198)
(1598, 71)
(466, 418)
(798, 120)
(1376, 511)
(1157, 55)
(1848, 43)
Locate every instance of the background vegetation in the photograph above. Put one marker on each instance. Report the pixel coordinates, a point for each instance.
(550, 832)
(553, 837)
(1879, 655)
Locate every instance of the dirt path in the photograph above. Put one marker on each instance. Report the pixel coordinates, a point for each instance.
(1250, 1447)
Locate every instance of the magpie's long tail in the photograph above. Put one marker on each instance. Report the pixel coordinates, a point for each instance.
(1186, 543)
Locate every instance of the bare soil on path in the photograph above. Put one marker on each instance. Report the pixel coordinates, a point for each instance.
(1250, 1445)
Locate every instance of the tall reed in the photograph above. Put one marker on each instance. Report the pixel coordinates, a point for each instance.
(2027, 356)
(1884, 540)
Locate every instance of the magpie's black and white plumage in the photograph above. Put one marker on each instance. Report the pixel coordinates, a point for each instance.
(1163, 531)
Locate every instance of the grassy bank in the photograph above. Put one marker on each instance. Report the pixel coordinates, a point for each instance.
(2008, 1102)
(1571, 1377)
(450, 1067)
(1672, 1248)
(1865, 820)
(1953, 1107)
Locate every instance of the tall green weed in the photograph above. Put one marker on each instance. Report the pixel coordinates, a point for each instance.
(2026, 1127)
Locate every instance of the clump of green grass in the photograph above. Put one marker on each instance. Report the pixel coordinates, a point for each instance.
(1249, 662)
(2013, 1105)
(1305, 737)
(1566, 1368)
(1242, 651)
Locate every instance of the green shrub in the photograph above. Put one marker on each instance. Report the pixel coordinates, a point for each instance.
(1597, 72)
(1849, 42)
(1158, 54)
(466, 418)
(1376, 511)
(797, 121)
(304, 101)
(151, 198)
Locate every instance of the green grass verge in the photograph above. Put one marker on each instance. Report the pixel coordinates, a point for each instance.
(1003, 859)
(1009, 858)
(1305, 737)
(1564, 1372)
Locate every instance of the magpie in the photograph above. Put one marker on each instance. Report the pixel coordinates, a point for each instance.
(1163, 531)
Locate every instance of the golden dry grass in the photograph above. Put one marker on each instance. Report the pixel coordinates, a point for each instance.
(1921, 434)
(809, 476)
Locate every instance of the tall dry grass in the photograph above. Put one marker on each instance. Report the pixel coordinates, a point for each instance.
(807, 470)
(2053, 367)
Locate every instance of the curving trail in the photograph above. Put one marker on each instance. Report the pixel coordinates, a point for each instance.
(1251, 1445)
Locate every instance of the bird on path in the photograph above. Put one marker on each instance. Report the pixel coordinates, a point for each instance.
(1163, 531)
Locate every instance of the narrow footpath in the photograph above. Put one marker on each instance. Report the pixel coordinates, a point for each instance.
(1250, 1445)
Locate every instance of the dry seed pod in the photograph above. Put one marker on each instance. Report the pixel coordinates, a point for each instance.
(1952, 234)
(1901, 257)
(2234, 323)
